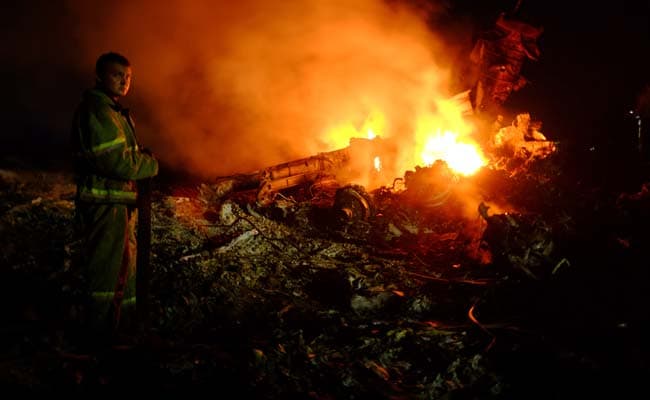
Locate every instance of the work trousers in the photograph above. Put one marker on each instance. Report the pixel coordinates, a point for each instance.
(108, 261)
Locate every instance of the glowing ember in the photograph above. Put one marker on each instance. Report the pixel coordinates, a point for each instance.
(464, 158)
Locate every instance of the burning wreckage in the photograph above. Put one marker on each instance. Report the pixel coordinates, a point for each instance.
(499, 55)
(330, 179)
(423, 196)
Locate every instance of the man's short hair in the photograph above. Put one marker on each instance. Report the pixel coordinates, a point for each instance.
(108, 58)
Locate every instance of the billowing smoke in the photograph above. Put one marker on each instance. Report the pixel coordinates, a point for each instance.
(225, 87)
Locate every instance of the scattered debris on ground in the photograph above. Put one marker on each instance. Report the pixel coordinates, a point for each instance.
(336, 292)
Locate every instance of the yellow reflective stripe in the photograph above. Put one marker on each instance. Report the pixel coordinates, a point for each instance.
(128, 301)
(108, 145)
(103, 296)
(108, 296)
(103, 193)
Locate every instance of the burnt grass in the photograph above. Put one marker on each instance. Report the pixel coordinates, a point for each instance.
(286, 302)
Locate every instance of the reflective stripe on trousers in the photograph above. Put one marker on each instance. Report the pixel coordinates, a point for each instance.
(109, 257)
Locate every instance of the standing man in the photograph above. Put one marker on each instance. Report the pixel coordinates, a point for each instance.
(108, 161)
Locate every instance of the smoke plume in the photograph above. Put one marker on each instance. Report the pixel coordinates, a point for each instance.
(225, 87)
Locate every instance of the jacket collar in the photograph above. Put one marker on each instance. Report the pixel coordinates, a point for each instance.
(99, 95)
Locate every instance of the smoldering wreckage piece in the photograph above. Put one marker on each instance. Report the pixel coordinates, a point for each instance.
(328, 170)
(522, 139)
(324, 167)
(334, 172)
(525, 242)
(500, 54)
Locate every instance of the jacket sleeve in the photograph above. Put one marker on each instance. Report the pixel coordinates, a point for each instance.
(109, 152)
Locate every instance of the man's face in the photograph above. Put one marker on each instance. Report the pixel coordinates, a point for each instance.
(116, 80)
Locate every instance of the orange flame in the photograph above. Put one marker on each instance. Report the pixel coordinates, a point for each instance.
(446, 136)
(464, 158)
(441, 136)
(339, 136)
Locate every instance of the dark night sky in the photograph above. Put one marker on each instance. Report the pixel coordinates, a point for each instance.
(595, 61)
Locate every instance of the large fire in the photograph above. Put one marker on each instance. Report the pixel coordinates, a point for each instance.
(443, 136)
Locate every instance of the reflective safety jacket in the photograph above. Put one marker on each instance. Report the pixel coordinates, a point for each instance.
(107, 158)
